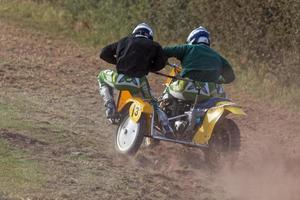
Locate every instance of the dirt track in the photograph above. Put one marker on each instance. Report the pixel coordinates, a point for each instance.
(58, 78)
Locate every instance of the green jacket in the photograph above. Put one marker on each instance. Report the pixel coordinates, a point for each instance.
(202, 63)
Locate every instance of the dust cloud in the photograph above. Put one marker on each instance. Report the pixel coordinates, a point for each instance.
(270, 174)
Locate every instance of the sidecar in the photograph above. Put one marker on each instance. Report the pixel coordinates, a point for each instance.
(216, 135)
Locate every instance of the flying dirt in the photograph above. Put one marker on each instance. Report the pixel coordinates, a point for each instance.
(54, 81)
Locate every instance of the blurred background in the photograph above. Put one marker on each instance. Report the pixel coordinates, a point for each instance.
(260, 38)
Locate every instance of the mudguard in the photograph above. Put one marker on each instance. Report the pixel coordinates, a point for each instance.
(137, 105)
(211, 118)
(123, 98)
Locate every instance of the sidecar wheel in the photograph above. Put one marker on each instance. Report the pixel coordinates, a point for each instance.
(224, 144)
(129, 135)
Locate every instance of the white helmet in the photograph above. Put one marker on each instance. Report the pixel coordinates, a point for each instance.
(143, 30)
(199, 35)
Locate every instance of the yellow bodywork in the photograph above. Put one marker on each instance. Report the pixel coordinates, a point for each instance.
(124, 95)
(211, 118)
(137, 107)
(173, 72)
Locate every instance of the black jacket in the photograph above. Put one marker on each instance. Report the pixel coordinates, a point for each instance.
(134, 56)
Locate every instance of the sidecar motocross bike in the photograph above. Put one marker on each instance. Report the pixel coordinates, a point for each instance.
(196, 124)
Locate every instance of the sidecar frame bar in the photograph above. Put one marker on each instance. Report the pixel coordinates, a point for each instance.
(191, 144)
(155, 134)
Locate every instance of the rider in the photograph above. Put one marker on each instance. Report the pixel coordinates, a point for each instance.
(199, 63)
(134, 56)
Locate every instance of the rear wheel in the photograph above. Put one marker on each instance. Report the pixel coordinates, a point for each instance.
(129, 135)
(224, 144)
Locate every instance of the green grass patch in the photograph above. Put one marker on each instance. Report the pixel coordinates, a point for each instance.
(269, 89)
(60, 20)
(37, 16)
(18, 174)
(17, 114)
(3, 62)
(88, 22)
(34, 15)
(10, 119)
(77, 156)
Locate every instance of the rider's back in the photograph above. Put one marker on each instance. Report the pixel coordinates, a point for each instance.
(135, 56)
(199, 61)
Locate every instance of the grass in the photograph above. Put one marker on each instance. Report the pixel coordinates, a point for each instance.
(57, 21)
(36, 16)
(269, 89)
(10, 119)
(16, 114)
(18, 174)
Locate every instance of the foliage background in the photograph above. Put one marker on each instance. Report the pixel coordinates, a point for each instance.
(260, 38)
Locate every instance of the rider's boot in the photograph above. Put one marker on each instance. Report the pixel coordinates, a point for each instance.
(110, 109)
(166, 127)
(109, 103)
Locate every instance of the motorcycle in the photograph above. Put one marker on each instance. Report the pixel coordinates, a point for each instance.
(196, 124)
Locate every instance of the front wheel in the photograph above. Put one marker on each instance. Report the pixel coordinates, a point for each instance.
(129, 135)
(224, 144)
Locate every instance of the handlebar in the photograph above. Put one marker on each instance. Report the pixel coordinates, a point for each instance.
(172, 65)
(174, 77)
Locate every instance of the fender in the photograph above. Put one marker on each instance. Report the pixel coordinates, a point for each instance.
(138, 106)
(123, 98)
(211, 118)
